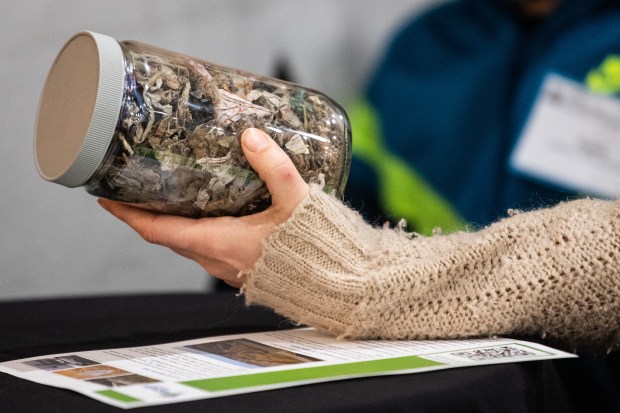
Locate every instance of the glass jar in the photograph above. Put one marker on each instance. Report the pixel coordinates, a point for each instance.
(139, 124)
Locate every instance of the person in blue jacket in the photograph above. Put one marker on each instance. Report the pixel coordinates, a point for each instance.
(482, 106)
(456, 125)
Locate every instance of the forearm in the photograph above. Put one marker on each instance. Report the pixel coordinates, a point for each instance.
(552, 271)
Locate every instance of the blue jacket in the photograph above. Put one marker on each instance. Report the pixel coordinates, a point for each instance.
(456, 87)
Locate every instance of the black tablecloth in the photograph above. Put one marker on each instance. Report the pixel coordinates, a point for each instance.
(34, 328)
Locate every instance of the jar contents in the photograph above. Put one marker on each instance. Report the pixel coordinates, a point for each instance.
(177, 146)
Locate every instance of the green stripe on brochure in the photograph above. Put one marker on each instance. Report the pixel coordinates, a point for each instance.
(117, 396)
(312, 373)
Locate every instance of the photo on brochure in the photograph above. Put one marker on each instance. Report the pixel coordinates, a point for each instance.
(248, 353)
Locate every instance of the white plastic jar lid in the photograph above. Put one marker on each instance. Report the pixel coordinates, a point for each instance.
(79, 109)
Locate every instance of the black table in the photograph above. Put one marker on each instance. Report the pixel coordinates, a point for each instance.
(40, 327)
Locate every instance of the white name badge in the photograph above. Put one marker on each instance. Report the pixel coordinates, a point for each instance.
(572, 139)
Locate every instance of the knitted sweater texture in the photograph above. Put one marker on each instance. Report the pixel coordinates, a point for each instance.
(551, 272)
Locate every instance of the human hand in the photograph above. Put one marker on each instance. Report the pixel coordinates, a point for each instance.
(226, 246)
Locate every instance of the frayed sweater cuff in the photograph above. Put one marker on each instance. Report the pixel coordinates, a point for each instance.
(301, 273)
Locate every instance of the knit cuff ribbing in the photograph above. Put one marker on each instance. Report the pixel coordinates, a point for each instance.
(302, 272)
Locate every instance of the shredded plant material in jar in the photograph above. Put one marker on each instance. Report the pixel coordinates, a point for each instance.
(176, 148)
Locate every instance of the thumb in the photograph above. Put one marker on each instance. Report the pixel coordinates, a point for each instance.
(275, 168)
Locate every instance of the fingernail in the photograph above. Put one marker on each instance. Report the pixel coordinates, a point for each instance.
(254, 139)
(103, 204)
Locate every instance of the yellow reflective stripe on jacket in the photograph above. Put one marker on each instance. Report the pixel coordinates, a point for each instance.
(402, 192)
(606, 77)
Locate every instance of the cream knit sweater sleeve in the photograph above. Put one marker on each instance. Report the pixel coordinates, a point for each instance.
(552, 272)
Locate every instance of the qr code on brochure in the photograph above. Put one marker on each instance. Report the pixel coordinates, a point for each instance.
(494, 353)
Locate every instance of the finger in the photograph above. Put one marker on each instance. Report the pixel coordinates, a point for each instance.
(211, 242)
(284, 182)
(166, 230)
